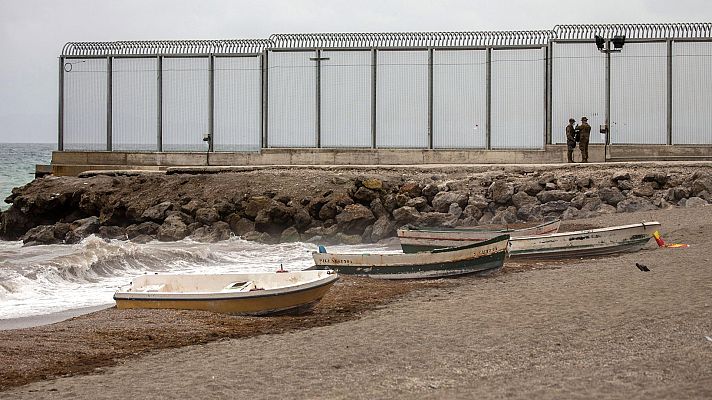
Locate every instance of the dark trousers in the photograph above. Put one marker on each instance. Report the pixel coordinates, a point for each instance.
(570, 146)
(583, 145)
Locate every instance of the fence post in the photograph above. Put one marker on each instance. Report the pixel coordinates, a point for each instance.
(60, 106)
(159, 98)
(373, 98)
(318, 98)
(430, 98)
(548, 85)
(488, 99)
(109, 74)
(608, 98)
(265, 99)
(211, 102)
(669, 91)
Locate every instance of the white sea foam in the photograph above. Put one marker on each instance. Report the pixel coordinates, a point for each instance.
(45, 279)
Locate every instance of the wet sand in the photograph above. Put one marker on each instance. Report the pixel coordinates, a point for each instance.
(594, 328)
(46, 319)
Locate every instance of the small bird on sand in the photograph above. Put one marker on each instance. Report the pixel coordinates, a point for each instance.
(642, 267)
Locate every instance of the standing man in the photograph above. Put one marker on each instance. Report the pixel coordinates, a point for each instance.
(570, 140)
(585, 132)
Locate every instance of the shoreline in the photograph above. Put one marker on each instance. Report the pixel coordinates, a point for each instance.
(32, 321)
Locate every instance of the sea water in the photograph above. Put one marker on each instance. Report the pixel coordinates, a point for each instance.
(40, 280)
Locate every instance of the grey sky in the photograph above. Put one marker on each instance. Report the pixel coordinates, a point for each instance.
(32, 32)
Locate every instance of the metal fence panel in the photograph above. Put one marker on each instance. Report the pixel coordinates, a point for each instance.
(639, 94)
(85, 91)
(402, 99)
(692, 86)
(578, 88)
(238, 112)
(134, 115)
(185, 103)
(346, 99)
(459, 98)
(292, 99)
(518, 98)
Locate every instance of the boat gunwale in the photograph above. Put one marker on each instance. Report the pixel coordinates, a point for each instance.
(644, 225)
(476, 230)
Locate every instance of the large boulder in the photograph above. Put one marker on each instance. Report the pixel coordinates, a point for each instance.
(659, 178)
(207, 216)
(611, 196)
(82, 228)
(211, 234)
(365, 195)
(289, 235)
(354, 219)
(553, 207)
(674, 194)
(410, 189)
(378, 209)
(430, 190)
(702, 184)
(695, 202)
(436, 219)
(144, 228)
(112, 232)
(506, 216)
(442, 200)
(256, 204)
(555, 195)
(501, 191)
(531, 188)
(419, 203)
(240, 226)
(645, 189)
(479, 201)
(529, 212)
(520, 199)
(43, 234)
(172, 229)
(382, 228)
(620, 176)
(405, 215)
(14, 223)
(633, 204)
(156, 213)
(372, 183)
(302, 219)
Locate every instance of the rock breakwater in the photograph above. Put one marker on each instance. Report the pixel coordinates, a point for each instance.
(336, 205)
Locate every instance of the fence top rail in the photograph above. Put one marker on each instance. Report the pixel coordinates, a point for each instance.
(410, 39)
(167, 47)
(635, 31)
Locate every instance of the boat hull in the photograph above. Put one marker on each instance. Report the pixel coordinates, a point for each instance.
(593, 242)
(427, 239)
(483, 257)
(257, 303)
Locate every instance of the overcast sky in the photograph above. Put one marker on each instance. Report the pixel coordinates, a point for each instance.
(32, 32)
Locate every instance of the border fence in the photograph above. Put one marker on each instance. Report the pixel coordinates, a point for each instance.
(431, 90)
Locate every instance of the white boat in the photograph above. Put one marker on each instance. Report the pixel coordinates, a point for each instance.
(423, 239)
(590, 242)
(253, 294)
(473, 258)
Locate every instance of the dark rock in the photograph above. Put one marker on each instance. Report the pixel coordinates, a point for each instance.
(570, 213)
(156, 213)
(187, 219)
(591, 203)
(578, 201)
(82, 228)
(430, 190)
(217, 232)
(633, 204)
(240, 226)
(43, 234)
(521, 198)
(112, 232)
(584, 182)
(172, 229)
(382, 229)
(555, 195)
(364, 195)
(406, 215)
(302, 220)
(192, 206)
(262, 237)
(419, 203)
(566, 183)
(501, 191)
(625, 185)
(256, 204)
(455, 210)
(531, 188)
(556, 206)
(366, 236)
(606, 209)
(620, 176)
(282, 198)
(702, 184)
(328, 211)
(354, 219)
(378, 209)
(315, 206)
(305, 200)
(658, 177)
(472, 213)
(486, 218)
(144, 228)
(390, 203)
(14, 223)
(546, 178)
(611, 196)
(401, 199)
(206, 216)
(550, 186)
(676, 193)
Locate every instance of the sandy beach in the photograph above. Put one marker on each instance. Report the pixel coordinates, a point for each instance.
(593, 328)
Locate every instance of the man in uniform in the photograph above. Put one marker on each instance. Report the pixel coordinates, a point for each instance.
(570, 140)
(585, 133)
